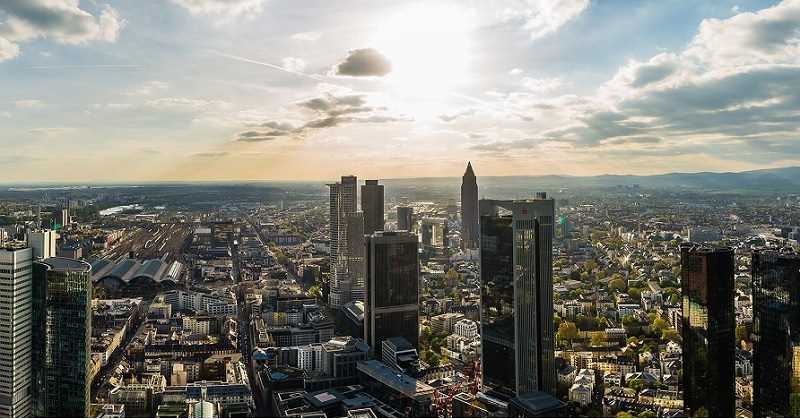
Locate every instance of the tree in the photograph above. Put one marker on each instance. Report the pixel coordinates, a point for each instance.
(658, 325)
(598, 339)
(452, 276)
(646, 414)
(635, 293)
(741, 333)
(624, 414)
(568, 331)
(668, 335)
(590, 265)
(617, 284)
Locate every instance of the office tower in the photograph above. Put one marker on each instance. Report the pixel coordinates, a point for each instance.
(343, 201)
(516, 242)
(469, 209)
(64, 217)
(404, 216)
(372, 206)
(434, 232)
(391, 307)
(708, 329)
(62, 315)
(15, 331)
(356, 264)
(776, 330)
(43, 243)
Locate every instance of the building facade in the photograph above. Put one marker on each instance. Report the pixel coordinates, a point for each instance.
(776, 332)
(343, 202)
(62, 315)
(708, 331)
(517, 295)
(405, 217)
(391, 307)
(469, 209)
(15, 331)
(372, 206)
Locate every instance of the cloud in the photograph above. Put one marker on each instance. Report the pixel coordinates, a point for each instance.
(183, 104)
(8, 50)
(543, 17)
(227, 8)
(327, 111)
(293, 64)
(365, 62)
(29, 104)
(734, 84)
(60, 20)
(543, 85)
(211, 154)
(450, 117)
(307, 36)
(147, 88)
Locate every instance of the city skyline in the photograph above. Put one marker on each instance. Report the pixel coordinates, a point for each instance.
(195, 90)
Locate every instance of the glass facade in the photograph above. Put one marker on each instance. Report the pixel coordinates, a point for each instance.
(708, 329)
(62, 304)
(497, 303)
(517, 296)
(391, 306)
(776, 332)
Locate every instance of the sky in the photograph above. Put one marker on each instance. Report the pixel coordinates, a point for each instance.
(159, 90)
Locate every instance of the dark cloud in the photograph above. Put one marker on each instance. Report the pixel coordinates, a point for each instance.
(329, 111)
(651, 73)
(60, 20)
(456, 115)
(365, 62)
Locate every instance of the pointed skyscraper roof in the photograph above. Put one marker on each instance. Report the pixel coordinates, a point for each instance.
(469, 171)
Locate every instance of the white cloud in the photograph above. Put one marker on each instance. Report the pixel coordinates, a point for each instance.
(307, 36)
(148, 88)
(8, 49)
(293, 64)
(542, 85)
(29, 104)
(226, 8)
(515, 72)
(60, 20)
(182, 104)
(543, 17)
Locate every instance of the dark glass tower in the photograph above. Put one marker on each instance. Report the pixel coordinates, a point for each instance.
(372, 206)
(343, 203)
(708, 329)
(391, 306)
(404, 216)
(517, 296)
(776, 329)
(62, 315)
(469, 209)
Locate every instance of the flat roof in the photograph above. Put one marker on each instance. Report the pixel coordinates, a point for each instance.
(67, 264)
(402, 383)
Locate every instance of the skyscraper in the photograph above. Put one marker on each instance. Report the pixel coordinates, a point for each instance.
(776, 330)
(708, 329)
(404, 217)
(391, 306)
(469, 209)
(43, 242)
(62, 315)
(356, 265)
(372, 206)
(15, 331)
(517, 295)
(343, 201)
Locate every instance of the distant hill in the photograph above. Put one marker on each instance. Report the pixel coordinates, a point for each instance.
(785, 179)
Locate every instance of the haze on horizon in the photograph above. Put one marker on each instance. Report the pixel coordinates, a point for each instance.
(103, 91)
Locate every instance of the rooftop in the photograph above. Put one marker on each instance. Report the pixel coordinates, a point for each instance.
(67, 264)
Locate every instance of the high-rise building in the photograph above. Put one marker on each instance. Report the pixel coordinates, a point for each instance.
(356, 264)
(516, 242)
(391, 306)
(372, 206)
(15, 331)
(62, 315)
(469, 209)
(43, 243)
(708, 331)
(776, 330)
(343, 201)
(404, 218)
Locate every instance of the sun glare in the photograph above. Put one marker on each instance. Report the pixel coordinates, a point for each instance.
(428, 46)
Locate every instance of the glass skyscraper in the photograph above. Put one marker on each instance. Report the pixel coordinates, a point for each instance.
(62, 315)
(708, 331)
(516, 241)
(469, 209)
(776, 330)
(15, 331)
(391, 306)
(372, 206)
